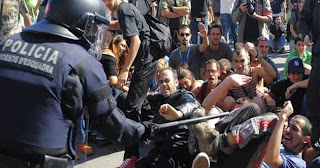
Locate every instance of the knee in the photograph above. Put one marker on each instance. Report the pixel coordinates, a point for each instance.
(213, 111)
(258, 101)
(229, 103)
(253, 109)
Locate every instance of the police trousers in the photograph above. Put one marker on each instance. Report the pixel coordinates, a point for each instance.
(313, 92)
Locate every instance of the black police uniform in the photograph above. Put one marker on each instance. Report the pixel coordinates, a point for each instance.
(45, 81)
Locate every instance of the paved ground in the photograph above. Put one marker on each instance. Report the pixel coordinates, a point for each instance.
(110, 156)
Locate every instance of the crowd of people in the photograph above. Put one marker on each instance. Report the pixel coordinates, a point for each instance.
(218, 62)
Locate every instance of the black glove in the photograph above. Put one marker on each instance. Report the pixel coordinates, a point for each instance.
(150, 129)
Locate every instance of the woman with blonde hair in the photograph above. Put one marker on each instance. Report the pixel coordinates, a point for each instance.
(162, 64)
(113, 59)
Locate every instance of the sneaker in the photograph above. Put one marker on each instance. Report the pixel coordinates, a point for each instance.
(129, 162)
(86, 149)
(282, 51)
(208, 138)
(201, 161)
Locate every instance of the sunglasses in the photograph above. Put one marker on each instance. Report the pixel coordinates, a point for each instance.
(184, 34)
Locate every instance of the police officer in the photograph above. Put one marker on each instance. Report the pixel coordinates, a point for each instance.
(309, 19)
(47, 75)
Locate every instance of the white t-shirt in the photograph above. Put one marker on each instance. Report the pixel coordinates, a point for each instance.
(226, 6)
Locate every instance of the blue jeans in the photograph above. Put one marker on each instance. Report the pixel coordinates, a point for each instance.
(81, 136)
(194, 29)
(277, 44)
(228, 27)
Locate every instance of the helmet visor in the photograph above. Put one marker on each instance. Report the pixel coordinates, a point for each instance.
(95, 34)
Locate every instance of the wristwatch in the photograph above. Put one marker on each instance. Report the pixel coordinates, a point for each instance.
(171, 9)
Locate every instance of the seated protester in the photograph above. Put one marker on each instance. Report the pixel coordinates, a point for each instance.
(232, 136)
(170, 146)
(231, 139)
(162, 64)
(300, 52)
(296, 138)
(241, 63)
(189, 54)
(225, 68)
(212, 72)
(113, 58)
(292, 88)
(216, 49)
(186, 79)
(277, 37)
(258, 59)
(262, 46)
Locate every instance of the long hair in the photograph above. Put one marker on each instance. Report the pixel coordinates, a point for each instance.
(120, 59)
(184, 72)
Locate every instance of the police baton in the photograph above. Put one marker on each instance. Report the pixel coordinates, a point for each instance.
(160, 127)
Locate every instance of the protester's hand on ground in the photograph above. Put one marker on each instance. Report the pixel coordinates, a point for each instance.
(169, 112)
(202, 30)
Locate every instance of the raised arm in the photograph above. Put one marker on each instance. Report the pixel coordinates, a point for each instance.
(272, 156)
(203, 34)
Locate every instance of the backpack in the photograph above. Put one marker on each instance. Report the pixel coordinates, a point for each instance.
(288, 32)
(160, 37)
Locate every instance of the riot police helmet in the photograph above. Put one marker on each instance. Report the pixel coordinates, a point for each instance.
(75, 20)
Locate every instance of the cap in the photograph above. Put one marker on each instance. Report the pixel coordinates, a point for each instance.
(295, 65)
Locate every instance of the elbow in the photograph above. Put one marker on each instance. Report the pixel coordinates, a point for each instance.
(274, 161)
(135, 41)
(269, 161)
(138, 41)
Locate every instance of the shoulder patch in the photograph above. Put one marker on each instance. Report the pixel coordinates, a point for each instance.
(35, 58)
